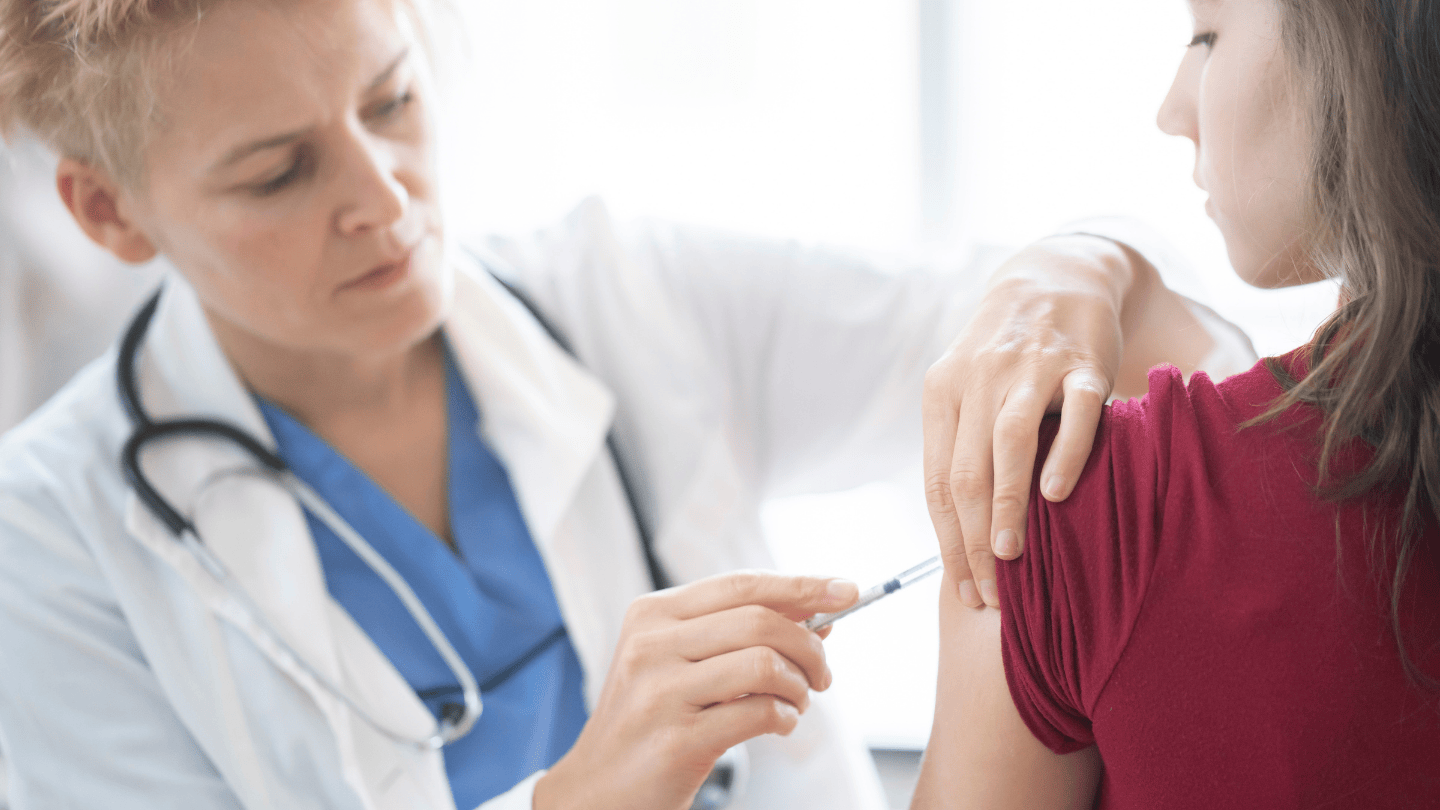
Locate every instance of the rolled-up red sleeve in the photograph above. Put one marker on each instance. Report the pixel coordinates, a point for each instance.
(1070, 602)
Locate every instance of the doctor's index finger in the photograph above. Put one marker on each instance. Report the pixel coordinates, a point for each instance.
(796, 597)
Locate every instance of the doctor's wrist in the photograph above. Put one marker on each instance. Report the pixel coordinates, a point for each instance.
(1095, 265)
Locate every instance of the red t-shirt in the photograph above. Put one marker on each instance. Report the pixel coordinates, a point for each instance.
(1186, 611)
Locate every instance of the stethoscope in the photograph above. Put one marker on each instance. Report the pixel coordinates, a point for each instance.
(455, 718)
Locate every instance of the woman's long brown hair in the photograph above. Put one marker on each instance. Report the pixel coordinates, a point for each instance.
(1368, 72)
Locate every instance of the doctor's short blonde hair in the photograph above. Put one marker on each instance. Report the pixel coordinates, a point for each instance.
(83, 76)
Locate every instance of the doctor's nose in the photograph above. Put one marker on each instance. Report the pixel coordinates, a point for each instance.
(375, 197)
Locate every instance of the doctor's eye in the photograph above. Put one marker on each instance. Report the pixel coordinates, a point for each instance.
(296, 169)
(1207, 39)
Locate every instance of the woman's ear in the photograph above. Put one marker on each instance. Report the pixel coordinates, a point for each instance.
(94, 200)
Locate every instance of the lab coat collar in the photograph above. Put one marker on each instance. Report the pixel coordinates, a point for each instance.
(542, 412)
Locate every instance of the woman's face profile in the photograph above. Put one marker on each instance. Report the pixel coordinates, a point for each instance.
(1235, 98)
(292, 178)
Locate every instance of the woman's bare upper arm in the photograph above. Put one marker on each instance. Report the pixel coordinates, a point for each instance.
(981, 753)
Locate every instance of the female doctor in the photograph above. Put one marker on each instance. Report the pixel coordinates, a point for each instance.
(410, 571)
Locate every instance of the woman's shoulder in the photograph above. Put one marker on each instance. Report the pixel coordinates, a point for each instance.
(1174, 405)
(1179, 461)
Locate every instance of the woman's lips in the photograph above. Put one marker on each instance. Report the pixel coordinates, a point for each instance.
(383, 276)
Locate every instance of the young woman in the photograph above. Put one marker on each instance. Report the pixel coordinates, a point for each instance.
(1239, 604)
(178, 631)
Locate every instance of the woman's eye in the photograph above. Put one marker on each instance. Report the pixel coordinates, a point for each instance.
(1207, 39)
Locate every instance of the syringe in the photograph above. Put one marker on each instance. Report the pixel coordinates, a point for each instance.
(903, 580)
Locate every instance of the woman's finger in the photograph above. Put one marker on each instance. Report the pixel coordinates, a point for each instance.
(792, 596)
(1085, 392)
(752, 671)
(1017, 430)
(940, 412)
(749, 626)
(971, 485)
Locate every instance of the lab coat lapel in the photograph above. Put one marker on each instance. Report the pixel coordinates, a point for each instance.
(542, 413)
(546, 417)
(252, 525)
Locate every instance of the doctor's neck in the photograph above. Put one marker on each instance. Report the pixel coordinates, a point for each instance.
(322, 387)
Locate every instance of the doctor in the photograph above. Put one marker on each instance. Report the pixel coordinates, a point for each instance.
(244, 650)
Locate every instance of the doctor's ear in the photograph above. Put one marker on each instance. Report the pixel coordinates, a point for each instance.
(95, 201)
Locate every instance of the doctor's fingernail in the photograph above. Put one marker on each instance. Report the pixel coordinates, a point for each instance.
(1007, 544)
(968, 594)
(841, 592)
(1054, 487)
(989, 593)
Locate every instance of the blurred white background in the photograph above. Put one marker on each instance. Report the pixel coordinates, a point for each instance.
(890, 125)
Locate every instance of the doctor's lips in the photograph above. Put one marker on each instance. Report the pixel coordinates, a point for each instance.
(383, 275)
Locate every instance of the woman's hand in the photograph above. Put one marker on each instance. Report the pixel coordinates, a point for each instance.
(1063, 324)
(698, 669)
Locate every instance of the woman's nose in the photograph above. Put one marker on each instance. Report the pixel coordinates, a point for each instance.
(374, 196)
(1178, 113)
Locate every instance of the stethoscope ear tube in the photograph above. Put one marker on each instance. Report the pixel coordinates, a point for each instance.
(147, 430)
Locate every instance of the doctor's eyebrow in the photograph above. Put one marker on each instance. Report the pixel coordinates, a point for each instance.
(245, 150)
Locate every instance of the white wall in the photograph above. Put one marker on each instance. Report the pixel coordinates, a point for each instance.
(787, 117)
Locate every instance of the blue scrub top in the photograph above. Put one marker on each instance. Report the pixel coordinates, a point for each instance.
(491, 597)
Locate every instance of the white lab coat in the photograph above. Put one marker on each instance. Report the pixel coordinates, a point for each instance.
(731, 370)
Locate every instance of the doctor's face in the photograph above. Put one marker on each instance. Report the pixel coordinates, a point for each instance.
(1234, 97)
(292, 178)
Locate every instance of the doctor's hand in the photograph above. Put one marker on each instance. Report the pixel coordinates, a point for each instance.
(699, 668)
(1064, 324)
(1047, 336)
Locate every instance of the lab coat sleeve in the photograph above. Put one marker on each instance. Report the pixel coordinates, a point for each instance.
(817, 356)
(83, 721)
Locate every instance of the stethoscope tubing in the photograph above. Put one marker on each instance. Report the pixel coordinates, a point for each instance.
(451, 725)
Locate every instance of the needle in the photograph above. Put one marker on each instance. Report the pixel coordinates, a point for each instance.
(906, 578)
